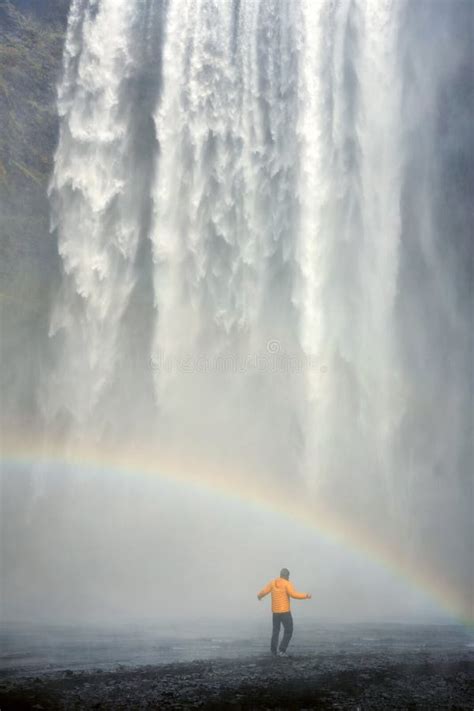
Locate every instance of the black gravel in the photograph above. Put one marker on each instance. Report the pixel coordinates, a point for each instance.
(373, 681)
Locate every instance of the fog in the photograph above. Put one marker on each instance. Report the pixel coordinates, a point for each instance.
(252, 343)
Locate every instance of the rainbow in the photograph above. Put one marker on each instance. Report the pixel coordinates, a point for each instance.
(250, 490)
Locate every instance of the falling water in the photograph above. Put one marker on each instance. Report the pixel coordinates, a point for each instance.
(260, 181)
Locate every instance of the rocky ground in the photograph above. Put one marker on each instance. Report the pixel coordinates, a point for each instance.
(375, 681)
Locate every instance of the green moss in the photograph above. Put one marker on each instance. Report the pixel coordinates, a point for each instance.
(3, 86)
(29, 173)
(11, 53)
(30, 65)
(37, 107)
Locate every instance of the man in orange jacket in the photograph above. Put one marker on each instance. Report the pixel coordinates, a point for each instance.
(282, 590)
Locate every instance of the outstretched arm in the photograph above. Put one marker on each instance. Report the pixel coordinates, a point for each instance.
(297, 595)
(265, 591)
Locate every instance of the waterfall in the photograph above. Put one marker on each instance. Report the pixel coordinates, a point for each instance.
(347, 239)
(271, 170)
(97, 195)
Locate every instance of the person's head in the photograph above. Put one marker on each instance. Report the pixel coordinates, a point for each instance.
(285, 573)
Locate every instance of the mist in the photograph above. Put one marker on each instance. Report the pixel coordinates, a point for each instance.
(251, 340)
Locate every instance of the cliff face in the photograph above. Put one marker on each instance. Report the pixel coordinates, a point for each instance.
(31, 39)
(30, 62)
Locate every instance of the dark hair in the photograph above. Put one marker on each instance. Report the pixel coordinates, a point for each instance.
(284, 573)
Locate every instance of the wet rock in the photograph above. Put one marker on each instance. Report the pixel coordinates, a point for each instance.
(375, 683)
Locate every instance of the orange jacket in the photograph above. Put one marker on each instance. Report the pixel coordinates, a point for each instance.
(281, 591)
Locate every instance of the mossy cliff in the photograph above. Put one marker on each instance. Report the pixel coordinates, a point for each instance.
(31, 40)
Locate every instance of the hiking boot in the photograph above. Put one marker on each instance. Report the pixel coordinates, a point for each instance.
(283, 654)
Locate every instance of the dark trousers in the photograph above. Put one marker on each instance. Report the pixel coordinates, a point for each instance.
(285, 619)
